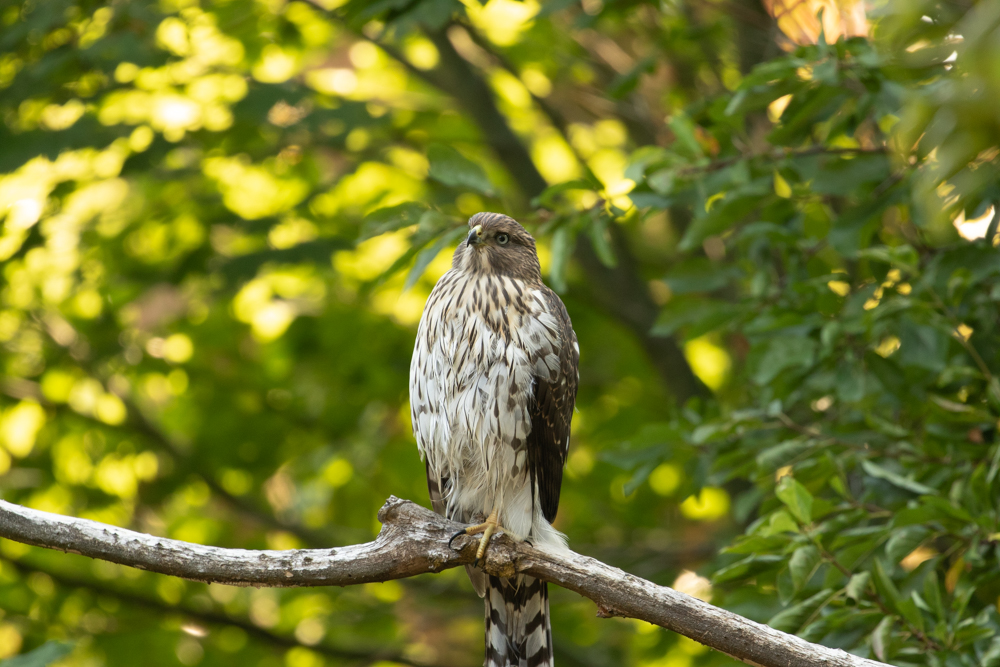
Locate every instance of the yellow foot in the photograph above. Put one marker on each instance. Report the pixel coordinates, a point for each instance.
(487, 528)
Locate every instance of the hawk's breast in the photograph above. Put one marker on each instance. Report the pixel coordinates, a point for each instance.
(480, 345)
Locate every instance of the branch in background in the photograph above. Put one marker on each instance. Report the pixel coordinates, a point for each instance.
(459, 80)
(456, 78)
(638, 313)
(214, 618)
(414, 540)
(619, 289)
(554, 115)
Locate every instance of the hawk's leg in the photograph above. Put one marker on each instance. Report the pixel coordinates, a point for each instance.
(487, 528)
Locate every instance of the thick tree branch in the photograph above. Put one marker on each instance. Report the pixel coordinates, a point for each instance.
(414, 540)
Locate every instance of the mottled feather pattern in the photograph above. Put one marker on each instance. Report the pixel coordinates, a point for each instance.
(492, 387)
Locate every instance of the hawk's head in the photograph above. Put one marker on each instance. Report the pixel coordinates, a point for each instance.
(498, 245)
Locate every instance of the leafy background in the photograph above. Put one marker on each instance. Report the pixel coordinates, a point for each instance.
(772, 224)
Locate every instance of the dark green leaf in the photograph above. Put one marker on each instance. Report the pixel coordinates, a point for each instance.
(875, 470)
(450, 167)
(903, 541)
(391, 218)
(783, 353)
(427, 255)
(885, 587)
(600, 237)
(700, 315)
(803, 564)
(933, 595)
(791, 619)
(858, 586)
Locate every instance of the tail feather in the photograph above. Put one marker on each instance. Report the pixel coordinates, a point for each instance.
(518, 633)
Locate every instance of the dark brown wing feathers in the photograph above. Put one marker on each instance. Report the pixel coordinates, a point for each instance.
(551, 414)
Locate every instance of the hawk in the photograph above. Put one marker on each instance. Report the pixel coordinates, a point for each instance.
(492, 388)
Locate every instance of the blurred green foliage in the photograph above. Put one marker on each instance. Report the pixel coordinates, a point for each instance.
(221, 221)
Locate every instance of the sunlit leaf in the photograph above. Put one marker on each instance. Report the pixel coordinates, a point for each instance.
(796, 498)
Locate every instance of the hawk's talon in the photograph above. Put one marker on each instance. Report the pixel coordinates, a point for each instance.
(456, 536)
(487, 528)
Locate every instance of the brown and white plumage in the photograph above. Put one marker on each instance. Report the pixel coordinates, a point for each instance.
(492, 387)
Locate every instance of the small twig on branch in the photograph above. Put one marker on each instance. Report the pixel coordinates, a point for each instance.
(414, 540)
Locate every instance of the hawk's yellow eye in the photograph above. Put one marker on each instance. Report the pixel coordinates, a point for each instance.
(502, 238)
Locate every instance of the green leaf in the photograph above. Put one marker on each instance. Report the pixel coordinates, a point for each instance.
(684, 132)
(921, 346)
(991, 658)
(746, 567)
(877, 471)
(884, 586)
(802, 564)
(427, 255)
(779, 522)
(796, 497)
(757, 544)
(908, 608)
(562, 247)
(858, 585)
(782, 353)
(698, 274)
(883, 637)
(662, 181)
(391, 218)
(44, 655)
(600, 237)
(948, 508)
(453, 169)
(697, 315)
(903, 541)
(932, 594)
(773, 458)
(732, 208)
(791, 619)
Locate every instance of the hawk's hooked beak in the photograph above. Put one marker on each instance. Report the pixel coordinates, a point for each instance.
(474, 236)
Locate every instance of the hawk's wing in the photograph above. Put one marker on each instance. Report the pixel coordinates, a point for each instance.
(552, 412)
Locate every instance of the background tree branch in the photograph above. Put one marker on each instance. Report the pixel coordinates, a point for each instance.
(414, 540)
(618, 289)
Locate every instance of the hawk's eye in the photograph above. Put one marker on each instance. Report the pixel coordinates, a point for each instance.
(502, 238)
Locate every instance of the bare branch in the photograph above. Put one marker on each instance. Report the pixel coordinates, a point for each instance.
(414, 540)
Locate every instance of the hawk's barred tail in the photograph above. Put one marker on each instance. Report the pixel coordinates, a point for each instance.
(518, 633)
